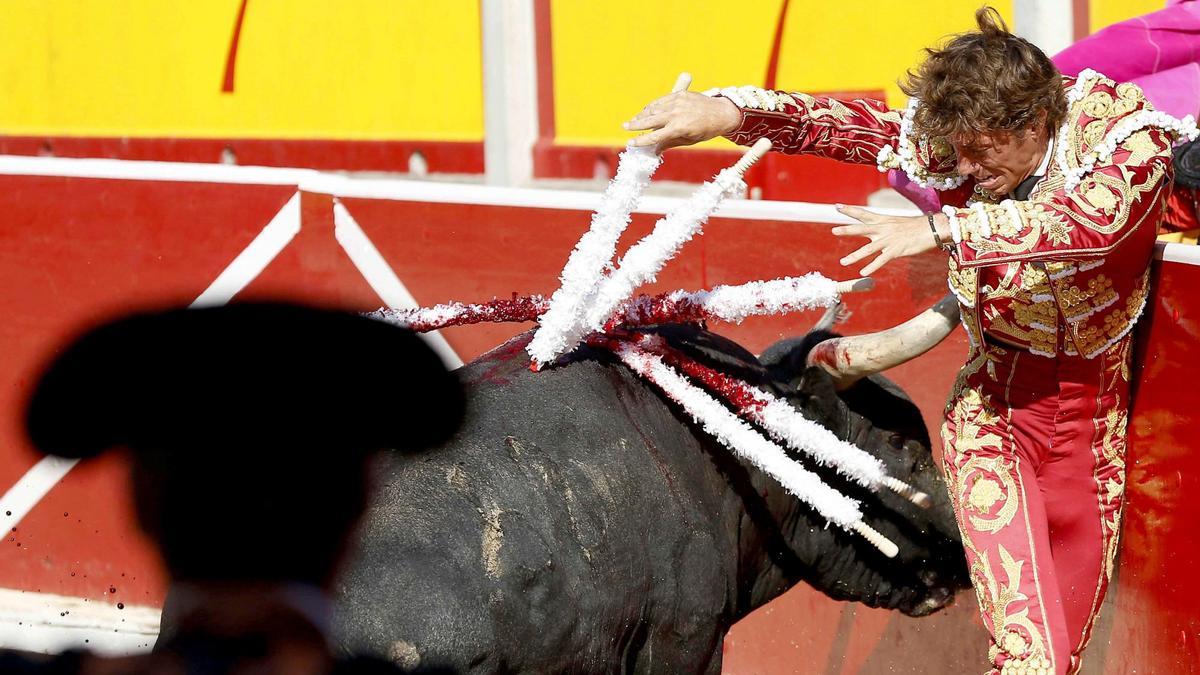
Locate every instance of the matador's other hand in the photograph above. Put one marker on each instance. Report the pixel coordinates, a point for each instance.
(684, 118)
(891, 236)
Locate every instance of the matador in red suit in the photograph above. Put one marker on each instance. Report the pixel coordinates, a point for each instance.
(1050, 266)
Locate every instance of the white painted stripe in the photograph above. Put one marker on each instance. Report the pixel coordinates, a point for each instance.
(29, 490)
(574, 200)
(254, 258)
(403, 190)
(121, 169)
(382, 278)
(48, 623)
(1188, 254)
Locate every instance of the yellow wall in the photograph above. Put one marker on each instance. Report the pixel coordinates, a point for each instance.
(1106, 12)
(411, 69)
(612, 57)
(359, 69)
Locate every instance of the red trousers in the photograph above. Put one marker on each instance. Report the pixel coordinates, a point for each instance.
(1034, 453)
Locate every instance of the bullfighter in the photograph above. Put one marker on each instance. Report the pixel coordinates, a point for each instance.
(1052, 189)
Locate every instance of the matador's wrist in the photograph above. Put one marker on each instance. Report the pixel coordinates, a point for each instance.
(939, 227)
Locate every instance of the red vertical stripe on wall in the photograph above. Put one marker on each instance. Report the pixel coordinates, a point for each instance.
(545, 69)
(1081, 18)
(231, 57)
(776, 46)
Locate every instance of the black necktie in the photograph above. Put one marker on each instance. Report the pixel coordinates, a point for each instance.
(1021, 193)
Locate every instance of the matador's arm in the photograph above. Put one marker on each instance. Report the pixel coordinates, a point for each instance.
(860, 131)
(848, 131)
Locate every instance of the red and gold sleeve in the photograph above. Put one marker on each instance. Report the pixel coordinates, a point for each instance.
(1080, 219)
(848, 131)
(860, 131)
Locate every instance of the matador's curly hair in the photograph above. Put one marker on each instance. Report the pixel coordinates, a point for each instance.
(985, 81)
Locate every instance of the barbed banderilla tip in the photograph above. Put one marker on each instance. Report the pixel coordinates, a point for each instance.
(755, 153)
(877, 540)
(682, 83)
(907, 491)
(855, 285)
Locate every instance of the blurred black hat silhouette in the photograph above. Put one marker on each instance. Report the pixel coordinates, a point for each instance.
(250, 426)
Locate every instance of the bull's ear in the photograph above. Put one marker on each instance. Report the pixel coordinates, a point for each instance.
(816, 394)
(788, 358)
(815, 382)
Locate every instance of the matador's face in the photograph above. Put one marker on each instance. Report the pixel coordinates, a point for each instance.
(1000, 160)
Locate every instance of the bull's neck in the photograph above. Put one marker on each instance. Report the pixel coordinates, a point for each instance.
(772, 553)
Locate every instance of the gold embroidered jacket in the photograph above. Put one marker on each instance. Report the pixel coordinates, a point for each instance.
(1065, 271)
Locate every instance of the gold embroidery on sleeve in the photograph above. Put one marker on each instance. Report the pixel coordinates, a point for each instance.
(885, 116)
(1141, 147)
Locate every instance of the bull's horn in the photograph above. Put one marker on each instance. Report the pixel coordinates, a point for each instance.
(849, 359)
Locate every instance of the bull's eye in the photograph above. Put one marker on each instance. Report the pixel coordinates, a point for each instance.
(896, 441)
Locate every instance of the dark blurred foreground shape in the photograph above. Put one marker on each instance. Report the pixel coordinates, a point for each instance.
(250, 428)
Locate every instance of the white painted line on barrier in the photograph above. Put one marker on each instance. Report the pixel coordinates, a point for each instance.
(382, 278)
(124, 169)
(1187, 254)
(49, 623)
(254, 258)
(438, 192)
(30, 488)
(572, 200)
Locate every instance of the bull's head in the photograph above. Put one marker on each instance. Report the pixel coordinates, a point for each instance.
(837, 382)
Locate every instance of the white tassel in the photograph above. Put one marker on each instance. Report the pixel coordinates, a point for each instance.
(643, 261)
(955, 229)
(744, 441)
(562, 326)
(761, 298)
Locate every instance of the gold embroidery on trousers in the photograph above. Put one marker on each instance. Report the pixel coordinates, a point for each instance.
(985, 497)
(993, 482)
(1014, 633)
(1113, 448)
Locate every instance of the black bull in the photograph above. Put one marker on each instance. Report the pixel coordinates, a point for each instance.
(580, 522)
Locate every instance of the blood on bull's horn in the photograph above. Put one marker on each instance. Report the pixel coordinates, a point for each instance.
(849, 359)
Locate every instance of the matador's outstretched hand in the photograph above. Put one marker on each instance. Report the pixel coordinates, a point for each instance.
(683, 118)
(891, 236)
